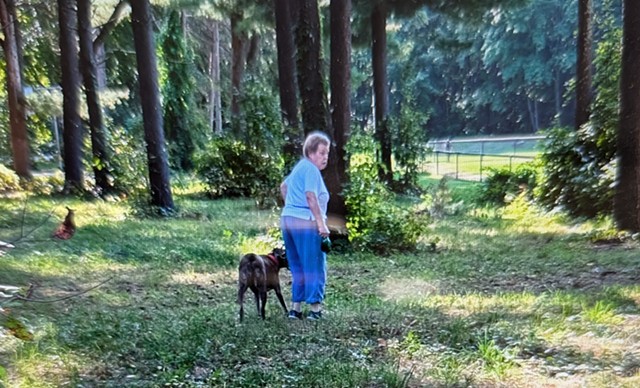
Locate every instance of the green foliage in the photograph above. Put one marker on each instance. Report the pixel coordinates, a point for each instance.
(438, 199)
(576, 177)
(579, 166)
(9, 180)
(182, 126)
(375, 222)
(408, 139)
(493, 357)
(260, 116)
(504, 183)
(602, 312)
(129, 167)
(47, 184)
(233, 169)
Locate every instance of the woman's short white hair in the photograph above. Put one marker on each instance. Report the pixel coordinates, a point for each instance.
(313, 140)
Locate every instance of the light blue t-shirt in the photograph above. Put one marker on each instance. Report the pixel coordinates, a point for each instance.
(304, 177)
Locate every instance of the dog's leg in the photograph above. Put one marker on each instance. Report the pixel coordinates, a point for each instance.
(281, 299)
(241, 290)
(256, 294)
(263, 296)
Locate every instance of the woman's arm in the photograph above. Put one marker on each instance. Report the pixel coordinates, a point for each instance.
(315, 210)
(283, 191)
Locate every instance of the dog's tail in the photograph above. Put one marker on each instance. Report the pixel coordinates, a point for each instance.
(255, 266)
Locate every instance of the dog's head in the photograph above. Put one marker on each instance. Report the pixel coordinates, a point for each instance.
(281, 255)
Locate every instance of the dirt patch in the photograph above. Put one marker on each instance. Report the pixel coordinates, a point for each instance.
(596, 278)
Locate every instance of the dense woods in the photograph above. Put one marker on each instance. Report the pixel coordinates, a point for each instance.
(179, 75)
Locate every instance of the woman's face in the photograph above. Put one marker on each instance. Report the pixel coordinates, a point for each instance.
(320, 157)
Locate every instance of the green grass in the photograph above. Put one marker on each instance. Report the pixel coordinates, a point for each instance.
(471, 167)
(509, 297)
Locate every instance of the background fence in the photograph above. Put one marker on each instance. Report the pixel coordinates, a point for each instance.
(469, 159)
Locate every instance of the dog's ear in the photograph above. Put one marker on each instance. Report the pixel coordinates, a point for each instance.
(280, 252)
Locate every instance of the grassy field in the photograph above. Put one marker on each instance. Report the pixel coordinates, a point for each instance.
(465, 161)
(471, 167)
(508, 298)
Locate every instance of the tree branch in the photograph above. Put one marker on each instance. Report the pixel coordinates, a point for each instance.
(29, 299)
(105, 30)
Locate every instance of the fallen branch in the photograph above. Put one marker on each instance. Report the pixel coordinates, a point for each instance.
(28, 298)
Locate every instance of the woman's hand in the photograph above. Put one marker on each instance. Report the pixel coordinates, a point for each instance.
(322, 229)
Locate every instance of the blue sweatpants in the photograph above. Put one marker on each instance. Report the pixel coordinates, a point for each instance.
(308, 264)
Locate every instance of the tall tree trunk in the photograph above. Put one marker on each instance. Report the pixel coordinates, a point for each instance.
(89, 70)
(238, 42)
(72, 129)
(253, 52)
(340, 75)
(583, 64)
(626, 206)
(315, 114)
(151, 108)
(380, 90)
(17, 111)
(287, 83)
(215, 111)
(557, 98)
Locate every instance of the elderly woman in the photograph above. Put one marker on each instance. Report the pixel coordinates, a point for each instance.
(304, 224)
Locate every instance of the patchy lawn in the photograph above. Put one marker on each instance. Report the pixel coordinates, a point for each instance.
(508, 298)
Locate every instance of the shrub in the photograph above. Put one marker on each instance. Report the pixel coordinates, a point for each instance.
(576, 178)
(9, 180)
(374, 221)
(233, 169)
(579, 166)
(438, 199)
(129, 168)
(502, 183)
(44, 184)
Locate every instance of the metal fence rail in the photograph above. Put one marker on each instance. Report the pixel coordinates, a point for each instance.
(468, 166)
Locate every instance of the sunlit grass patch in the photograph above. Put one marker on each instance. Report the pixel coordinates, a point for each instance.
(601, 312)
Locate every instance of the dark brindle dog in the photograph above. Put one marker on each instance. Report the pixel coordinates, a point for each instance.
(260, 274)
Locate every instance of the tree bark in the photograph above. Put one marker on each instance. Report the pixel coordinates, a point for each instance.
(380, 90)
(583, 63)
(215, 116)
(626, 207)
(151, 107)
(315, 114)
(89, 70)
(72, 129)
(253, 52)
(238, 43)
(292, 148)
(17, 111)
(340, 76)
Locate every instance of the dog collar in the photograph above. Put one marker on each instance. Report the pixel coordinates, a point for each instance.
(273, 258)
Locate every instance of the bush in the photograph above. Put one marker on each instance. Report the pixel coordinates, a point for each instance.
(233, 169)
(9, 180)
(579, 166)
(44, 184)
(374, 221)
(129, 168)
(576, 177)
(502, 183)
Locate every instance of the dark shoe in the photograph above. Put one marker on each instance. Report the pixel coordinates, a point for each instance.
(293, 314)
(314, 315)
